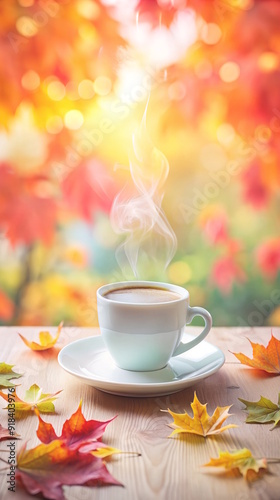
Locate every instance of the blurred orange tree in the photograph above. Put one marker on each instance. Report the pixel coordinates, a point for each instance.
(75, 79)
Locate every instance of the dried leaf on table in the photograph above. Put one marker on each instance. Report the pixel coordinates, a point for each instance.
(47, 467)
(74, 458)
(262, 411)
(201, 423)
(34, 398)
(45, 338)
(240, 461)
(264, 358)
(6, 434)
(6, 375)
(77, 432)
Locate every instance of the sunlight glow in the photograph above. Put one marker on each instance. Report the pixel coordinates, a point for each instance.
(161, 45)
(73, 119)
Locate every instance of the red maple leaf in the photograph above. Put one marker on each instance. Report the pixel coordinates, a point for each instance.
(77, 432)
(88, 188)
(26, 214)
(47, 467)
(64, 460)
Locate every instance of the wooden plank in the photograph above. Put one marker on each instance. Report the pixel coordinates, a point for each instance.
(168, 467)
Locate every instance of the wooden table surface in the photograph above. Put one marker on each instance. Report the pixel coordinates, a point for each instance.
(167, 468)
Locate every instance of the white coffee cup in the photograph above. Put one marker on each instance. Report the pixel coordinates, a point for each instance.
(144, 336)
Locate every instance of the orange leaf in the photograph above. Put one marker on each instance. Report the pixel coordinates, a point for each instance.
(77, 432)
(45, 338)
(240, 460)
(264, 358)
(47, 467)
(201, 423)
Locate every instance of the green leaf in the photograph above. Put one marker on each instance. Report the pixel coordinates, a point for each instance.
(6, 374)
(262, 411)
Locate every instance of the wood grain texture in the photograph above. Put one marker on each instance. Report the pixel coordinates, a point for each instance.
(168, 467)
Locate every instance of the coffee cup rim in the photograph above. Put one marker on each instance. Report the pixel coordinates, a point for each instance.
(101, 291)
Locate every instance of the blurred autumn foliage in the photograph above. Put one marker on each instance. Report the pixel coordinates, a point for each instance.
(75, 78)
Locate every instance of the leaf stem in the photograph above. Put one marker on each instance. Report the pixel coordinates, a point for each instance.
(130, 453)
(273, 460)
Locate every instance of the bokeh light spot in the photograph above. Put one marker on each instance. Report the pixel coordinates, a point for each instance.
(73, 119)
(268, 61)
(88, 9)
(102, 85)
(229, 72)
(179, 272)
(86, 89)
(56, 90)
(263, 134)
(72, 91)
(176, 91)
(26, 26)
(225, 134)
(211, 33)
(30, 80)
(54, 124)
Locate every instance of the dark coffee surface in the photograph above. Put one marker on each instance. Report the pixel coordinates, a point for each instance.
(142, 295)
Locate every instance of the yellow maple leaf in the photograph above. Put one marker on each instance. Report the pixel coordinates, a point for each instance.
(201, 424)
(241, 461)
(34, 399)
(45, 338)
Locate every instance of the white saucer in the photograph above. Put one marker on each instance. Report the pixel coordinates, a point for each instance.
(88, 360)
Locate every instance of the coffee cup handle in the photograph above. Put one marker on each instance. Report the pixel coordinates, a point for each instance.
(192, 312)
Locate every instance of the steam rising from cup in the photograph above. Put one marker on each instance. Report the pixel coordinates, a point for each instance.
(136, 211)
